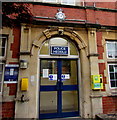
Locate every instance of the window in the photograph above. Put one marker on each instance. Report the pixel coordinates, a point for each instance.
(1, 75)
(50, 1)
(58, 41)
(113, 75)
(112, 67)
(2, 47)
(68, 2)
(112, 49)
(3, 40)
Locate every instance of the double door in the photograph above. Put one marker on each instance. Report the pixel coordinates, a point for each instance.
(59, 88)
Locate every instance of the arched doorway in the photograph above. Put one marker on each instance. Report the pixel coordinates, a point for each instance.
(59, 84)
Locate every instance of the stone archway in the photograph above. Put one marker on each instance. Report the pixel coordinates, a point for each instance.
(48, 33)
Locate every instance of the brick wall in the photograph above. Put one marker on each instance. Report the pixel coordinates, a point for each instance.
(109, 105)
(8, 109)
(92, 16)
(15, 46)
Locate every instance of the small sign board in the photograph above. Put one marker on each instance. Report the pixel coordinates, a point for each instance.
(59, 50)
(11, 73)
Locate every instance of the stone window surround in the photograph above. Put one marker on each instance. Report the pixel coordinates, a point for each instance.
(110, 61)
(2, 59)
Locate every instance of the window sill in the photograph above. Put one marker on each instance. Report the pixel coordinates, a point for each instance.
(112, 60)
(112, 95)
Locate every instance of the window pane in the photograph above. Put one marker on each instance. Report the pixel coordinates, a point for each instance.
(44, 49)
(113, 84)
(2, 46)
(48, 68)
(116, 46)
(49, 1)
(115, 68)
(48, 102)
(73, 50)
(64, 1)
(116, 83)
(116, 53)
(69, 101)
(116, 76)
(111, 75)
(68, 2)
(112, 49)
(111, 68)
(0, 86)
(110, 54)
(58, 41)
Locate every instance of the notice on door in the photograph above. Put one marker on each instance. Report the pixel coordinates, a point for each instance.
(45, 73)
(52, 76)
(65, 76)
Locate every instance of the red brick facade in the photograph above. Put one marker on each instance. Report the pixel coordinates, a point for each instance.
(92, 16)
(8, 109)
(15, 46)
(109, 105)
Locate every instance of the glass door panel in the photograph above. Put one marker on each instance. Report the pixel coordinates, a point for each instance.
(48, 102)
(69, 101)
(69, 72)
(48, 72)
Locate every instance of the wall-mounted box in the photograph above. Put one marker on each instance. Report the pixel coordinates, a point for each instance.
(96, 82)
(11, 73)
(24, 84)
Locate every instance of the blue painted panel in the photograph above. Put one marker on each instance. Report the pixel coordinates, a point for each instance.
(69, 87)
(48, 88)
(56, 115)
(59, 87)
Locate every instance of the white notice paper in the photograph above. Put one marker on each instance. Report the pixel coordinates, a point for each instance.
(52, 76)
(11, 71)
(45, 73)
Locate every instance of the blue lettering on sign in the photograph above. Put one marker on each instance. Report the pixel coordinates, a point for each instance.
(59, 50)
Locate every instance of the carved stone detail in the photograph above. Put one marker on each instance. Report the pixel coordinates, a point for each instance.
(47, 33)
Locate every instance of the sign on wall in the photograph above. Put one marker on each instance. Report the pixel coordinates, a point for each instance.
(11, 73)
(59, 50)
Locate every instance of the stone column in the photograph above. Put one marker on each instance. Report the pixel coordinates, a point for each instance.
(84, 86)
(96, 97)
(29, 107)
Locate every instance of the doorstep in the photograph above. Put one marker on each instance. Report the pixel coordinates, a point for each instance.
(71, 118)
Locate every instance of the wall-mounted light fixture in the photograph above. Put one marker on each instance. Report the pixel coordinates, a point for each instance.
(23, 64)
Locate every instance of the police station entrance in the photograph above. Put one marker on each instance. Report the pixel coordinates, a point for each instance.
(59, 92)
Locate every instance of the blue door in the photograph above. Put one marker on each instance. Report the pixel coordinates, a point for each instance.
(59, 88)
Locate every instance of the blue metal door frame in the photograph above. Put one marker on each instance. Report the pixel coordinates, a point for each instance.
(59, 87)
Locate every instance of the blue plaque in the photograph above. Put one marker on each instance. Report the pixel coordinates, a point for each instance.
(59, 50)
